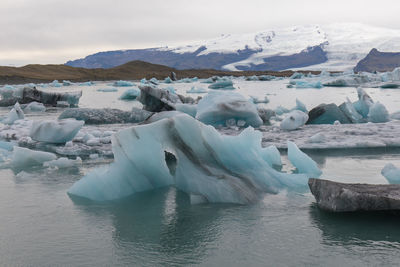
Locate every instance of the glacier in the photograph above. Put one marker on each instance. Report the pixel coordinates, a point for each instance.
(215, 168)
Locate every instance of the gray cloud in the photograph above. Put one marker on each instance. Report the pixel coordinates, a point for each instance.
(54, 31)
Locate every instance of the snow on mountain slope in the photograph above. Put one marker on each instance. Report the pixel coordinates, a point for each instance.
(316, 47)
(345, 44)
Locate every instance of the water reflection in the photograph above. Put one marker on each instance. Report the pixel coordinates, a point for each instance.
(367, 229)
(161, 226)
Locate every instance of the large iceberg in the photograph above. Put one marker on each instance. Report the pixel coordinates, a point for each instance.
(55, 131)
(217, 107)
(214, 168)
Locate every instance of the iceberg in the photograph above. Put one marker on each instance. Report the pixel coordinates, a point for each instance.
(223, 84)
(272, 156)
(86, 84)
(391, 173)
(154, 81)
(35, 107)
(196, 90)
(106, 90)
(156, 99)
(297, 75)
(378, 113)
(300, 106)
(130, 94)
(16, 113)
(294, 120)
(168, 80)
(302, 162)
(67, 83)
(24, 157)
(307, 84)
(364, 102)
(55, 83)
(281, 110)
(216, 108)
(106, 115)
(215, 168)
(189, 109)
(55, 131)
(257, 100)
(351, 113)
(123, 84)
(327, 114)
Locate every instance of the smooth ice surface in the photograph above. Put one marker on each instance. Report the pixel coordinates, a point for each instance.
(302, 161)
(24, 157)
(130, 94)
(217, 107)
(55, 131)
(219, 168)
(294, 120)
(378, 113)
(391, 173)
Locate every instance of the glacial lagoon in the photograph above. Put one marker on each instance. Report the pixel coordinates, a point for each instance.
(41, 224)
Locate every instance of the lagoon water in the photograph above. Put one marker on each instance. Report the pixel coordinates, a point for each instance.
(40, 225)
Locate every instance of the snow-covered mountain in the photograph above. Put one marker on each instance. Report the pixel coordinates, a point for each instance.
(316, 47)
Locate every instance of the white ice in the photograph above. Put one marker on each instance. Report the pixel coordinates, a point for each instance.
(55, 131)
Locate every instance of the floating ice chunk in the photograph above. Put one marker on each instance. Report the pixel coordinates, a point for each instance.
(223, 84)
(67, 83)
(294, 120)
(55, 83)
(281, 110)
(216, 108)
(16, 113)
(86, 84)
(378, 113)
(210, 80)
(62, 104)
(106, 115)
(327, 114)
(391, 173)
(227, 169)
(93, 142)
(272, 156)
(55, 131)
(317, 138)
(24, 157)
(364, 102)
(6, 145)
(35, 107)
(308, 84)
(297, 75)
(107, 90)
(302, 161)
(130, 94)
(336, 122)
(196, 90)
(300, 106)
(187, 108)
(123, 83)
(168, 80)
(170, 89)
(154, 81)
(395, 115)
(63, 163)
(257, 100)
(348, 109)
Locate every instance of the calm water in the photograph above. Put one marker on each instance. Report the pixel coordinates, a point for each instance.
(41, 225)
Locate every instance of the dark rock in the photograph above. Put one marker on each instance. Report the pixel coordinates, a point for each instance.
(341, 197)
(327, 114)
(172, 75)
(378, 61)
(106, 115)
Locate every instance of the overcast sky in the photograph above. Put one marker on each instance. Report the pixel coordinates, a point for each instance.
(54, 31)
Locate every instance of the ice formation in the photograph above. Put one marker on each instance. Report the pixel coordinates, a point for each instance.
(107, 90)
(24, 157)
(196, 90)
(272, 156)
(217, 107)
(300, 106)
(302, 162)
(123, 83)
(223, 84)
(130, 94)
(105, 115)
(391, 173)
(168, 80)
(257, 100)
(189, 109)
(348, 109)
(16, 113)
(294, 120)
(215, 168)
(364, 103)
(35, 107)
(55, 131)
(378, 113)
